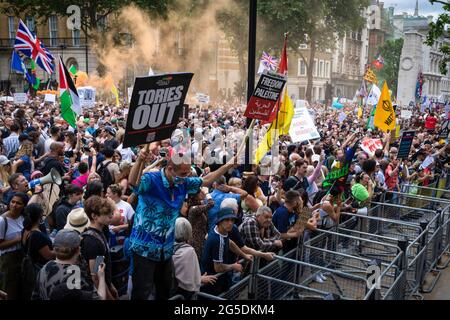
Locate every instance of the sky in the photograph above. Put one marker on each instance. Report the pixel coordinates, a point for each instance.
(425, 7)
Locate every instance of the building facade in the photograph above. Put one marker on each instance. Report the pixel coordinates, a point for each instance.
(417, 57)
(70, 45)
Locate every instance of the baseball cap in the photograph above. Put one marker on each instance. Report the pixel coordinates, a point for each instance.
(110, 130)
(315, 158)
(4, 160)
(67, 239)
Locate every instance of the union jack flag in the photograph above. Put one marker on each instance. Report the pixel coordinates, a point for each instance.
(269, 62)
(27, 43)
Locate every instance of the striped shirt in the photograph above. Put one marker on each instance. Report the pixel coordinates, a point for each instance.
(11, 144)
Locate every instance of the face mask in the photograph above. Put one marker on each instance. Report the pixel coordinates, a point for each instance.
(178, 180)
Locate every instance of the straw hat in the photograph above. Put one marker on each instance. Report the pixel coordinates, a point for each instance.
(77, 220)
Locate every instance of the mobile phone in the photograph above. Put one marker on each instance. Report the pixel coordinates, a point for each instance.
(98, 261)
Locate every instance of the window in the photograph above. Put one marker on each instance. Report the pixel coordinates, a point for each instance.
(31, 23)
(320, 94)
(313, 97)
(315, 68)
(101, 23)
(321, 68)
(302, 92)
(76, 38)
(327, 69)
(12, 30)
(53, 25)
(301, 67)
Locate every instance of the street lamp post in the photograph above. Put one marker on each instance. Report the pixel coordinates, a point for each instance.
(251, 71)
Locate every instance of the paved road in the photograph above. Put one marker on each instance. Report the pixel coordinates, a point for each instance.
(442, 289)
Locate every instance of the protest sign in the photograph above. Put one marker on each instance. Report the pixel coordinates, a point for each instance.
(405, 144)
(445, 129)
(427, 162)
(202, 98)
(20, 98)
(374, 95)
(342, 117)
(156, 105)
(369, 146)
(87, 96)
(406, 114)
(265, 96)
(302, 126)
(7, 99)
(50, 98)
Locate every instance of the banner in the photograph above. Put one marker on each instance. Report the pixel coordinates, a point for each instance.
(369, 146)
(384, 117)
(50, 98)
(265, 96)
(339, 176)
(20, 98)
(87, 96)
(302, 125)
(405, 144)
(374, 95)
(156, 105)
(370, 76)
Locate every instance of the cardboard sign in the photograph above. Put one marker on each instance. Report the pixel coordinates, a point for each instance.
(406, 114)
(50, 97)
(202, 98)
(156, 105)
(265, 96)
(20, 98)
(87, 96)
(369, 146)
(302, 125)
(405, 144)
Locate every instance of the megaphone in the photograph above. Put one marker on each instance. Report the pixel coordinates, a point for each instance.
(52, 177)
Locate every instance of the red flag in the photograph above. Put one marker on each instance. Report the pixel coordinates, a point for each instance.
(282, 69)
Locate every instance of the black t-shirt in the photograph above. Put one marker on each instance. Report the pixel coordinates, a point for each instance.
(92, 246)
(111, 144)
(35, 242)
(52, 162)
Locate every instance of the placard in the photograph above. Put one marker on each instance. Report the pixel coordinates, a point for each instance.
(265, 96)
(369, 146)
(155, 108)
(49, 97)
(20, 98)
(302, 125)
(87, 96)
(405, 144)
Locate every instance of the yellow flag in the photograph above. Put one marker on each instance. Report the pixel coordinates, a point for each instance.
(384, 117)
(370, 76)
(276, 128)
(116, 94)
(360, 112)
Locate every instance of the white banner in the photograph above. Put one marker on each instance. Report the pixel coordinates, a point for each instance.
(20, 98)
(369, 146)
(302, 125)
(49, 97)
(202, 98)
(87, 96)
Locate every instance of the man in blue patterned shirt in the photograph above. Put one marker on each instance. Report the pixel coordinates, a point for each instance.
(160, 197)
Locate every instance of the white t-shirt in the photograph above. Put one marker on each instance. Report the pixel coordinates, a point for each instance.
(48, 142)
(15, 227)
(126, 210)
(127, 153)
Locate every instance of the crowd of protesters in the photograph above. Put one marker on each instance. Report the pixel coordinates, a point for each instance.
(180, 227)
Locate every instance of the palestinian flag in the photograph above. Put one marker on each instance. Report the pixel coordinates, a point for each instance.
(70, 102)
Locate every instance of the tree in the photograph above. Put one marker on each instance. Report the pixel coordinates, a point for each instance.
(437, 30)
(318, 24)
(91, 11)
(391, 52)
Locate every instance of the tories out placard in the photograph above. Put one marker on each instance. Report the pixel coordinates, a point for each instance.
(156, 105)
(265, 96)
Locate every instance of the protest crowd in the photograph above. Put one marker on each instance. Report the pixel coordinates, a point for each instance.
(164, 227)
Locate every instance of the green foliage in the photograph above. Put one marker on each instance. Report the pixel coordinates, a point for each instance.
(391, 52)
(437, 30)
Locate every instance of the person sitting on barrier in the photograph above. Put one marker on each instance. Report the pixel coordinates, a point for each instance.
(329, 208)
(215, 255)
(188, 278)
(259, 232)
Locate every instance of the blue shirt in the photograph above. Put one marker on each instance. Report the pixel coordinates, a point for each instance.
(218, 197)
(216, 249)
(283, 219)
(158, 207)
(25, 168)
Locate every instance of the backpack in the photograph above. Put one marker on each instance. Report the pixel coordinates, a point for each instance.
(51, 218)
(6, 224)
(105, 175)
